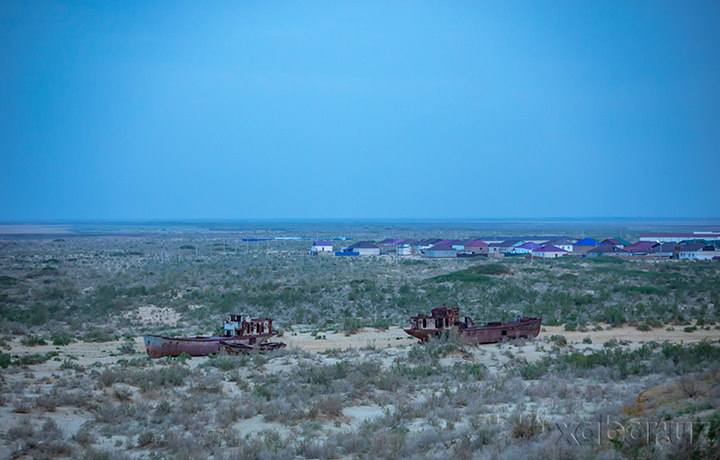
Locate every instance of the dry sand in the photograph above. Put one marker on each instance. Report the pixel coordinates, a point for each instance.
(392, 341)
(88, 353)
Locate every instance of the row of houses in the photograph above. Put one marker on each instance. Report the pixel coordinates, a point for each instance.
(693, 246)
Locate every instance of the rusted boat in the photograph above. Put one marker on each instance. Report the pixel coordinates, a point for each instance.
(444, 319)
(241, 334)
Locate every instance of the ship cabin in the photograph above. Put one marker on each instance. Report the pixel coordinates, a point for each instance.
(440, 318)
(242, 325)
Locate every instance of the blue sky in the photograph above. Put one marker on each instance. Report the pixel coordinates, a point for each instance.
(252, 110)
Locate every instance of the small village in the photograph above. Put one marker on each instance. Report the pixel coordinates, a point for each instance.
(650, 246)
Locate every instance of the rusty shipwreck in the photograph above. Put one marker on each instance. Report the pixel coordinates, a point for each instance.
(242, 334)
(444, 319)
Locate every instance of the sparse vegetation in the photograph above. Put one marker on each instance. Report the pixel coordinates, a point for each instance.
(378, 400)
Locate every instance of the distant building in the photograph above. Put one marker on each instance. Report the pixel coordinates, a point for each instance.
(549, 252)
(678, 237)
(476, 247)
(583, 246)
(640, 248)
(562, 243)
(617, 242)
(404, 250)
(698, 251)
(321, 246)
(428, 242)
(527, 248)
(665, 250)
(607, 250)
(505, 247)
(441, 250)
(364, 248)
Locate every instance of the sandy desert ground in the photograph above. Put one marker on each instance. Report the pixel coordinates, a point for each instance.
(322, 347)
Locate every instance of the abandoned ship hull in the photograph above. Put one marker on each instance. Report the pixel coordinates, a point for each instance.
(523, 329)
(491, 333)
(159, 346)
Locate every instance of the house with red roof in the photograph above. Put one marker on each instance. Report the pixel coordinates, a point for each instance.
(640, 248)
(476, 247)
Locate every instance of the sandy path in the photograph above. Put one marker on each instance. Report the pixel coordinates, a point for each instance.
(630, 333)
(375, 338)
(107, 352)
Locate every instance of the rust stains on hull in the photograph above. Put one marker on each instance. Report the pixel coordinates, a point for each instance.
(444, 319)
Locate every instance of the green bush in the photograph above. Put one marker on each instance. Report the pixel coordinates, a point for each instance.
(61, 339)
(32, 341)
(95, 334)
(532, 371)
(352, 325)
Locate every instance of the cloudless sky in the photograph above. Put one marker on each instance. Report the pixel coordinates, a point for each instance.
(349, 109)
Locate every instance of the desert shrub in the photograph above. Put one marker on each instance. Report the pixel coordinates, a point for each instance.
(351, 325)
(155, 378)
(587, 340)
(127, 347)
(32, 341)
(61, 339)
(23, 405)
(108, 377)
(559, 340)
(7, 281)
(315, 448)
(47, 401)
(122, 393)
(5, 360)
(211, 383)
(95, 334)
(382, 324)
(693, 355)
(227, 362)
(612, 315)
(145, 439)
(108, 413)
(328, 405)
(35, 358)
(45, 443)
(571, 327)
(85, 435)
(525, 425)
(532, 371)
(689, 385)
